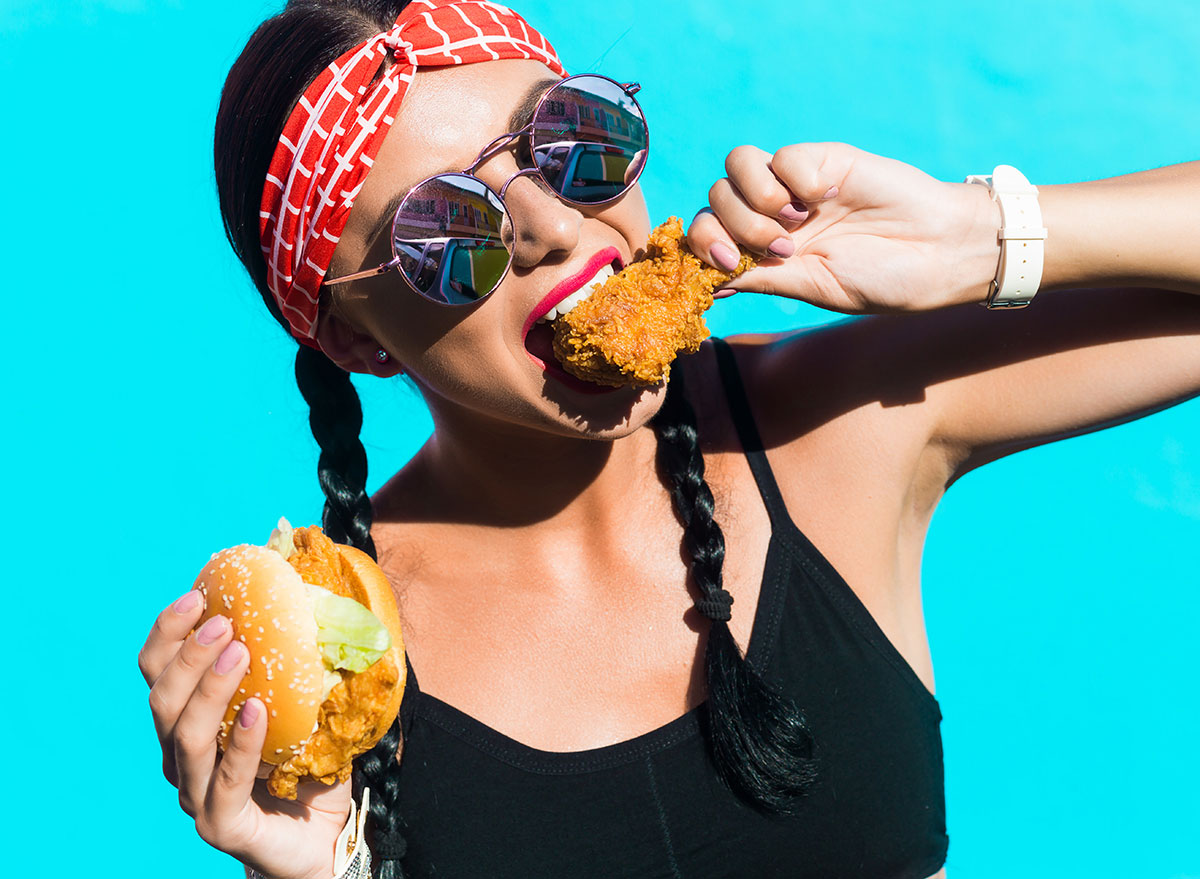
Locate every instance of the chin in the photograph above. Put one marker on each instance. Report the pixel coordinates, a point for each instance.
(605, 416)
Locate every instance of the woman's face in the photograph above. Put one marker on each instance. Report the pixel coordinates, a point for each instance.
(479, 361)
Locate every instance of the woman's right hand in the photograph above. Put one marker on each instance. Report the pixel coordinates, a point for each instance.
(192, 678)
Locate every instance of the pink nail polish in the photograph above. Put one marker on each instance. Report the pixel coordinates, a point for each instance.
(212, 630)
(187, 602)
(229, 658)
(792, 214)
(249, 714)
(723, 256)
(832, 193)
(782, 247)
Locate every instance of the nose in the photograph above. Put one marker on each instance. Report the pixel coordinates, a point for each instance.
(541, 223)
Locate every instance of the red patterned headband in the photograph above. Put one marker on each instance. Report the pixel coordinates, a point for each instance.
(333, 135)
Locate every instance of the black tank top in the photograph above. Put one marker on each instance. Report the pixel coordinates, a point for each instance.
(475, 803)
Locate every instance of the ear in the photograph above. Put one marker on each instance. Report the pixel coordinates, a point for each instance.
(352, 350)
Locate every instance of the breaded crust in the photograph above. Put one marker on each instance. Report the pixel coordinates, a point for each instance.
(630, 330)
(360, 708)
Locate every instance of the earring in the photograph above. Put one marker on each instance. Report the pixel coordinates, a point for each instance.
(382, 356)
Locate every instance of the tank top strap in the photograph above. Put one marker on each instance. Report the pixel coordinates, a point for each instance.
(408, 702)
(743, 420)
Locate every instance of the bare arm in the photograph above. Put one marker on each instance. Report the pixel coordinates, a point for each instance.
(1114, 334)
(1081, 359)
(1076, 361)
(1139, 230)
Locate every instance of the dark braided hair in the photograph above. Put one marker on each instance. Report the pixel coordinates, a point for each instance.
(282, 57)
(758, 739)
(335, 415)
(759, 743)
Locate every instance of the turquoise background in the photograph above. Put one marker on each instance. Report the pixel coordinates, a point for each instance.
(155, 407)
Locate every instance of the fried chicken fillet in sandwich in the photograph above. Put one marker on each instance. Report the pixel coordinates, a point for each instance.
(326, 655)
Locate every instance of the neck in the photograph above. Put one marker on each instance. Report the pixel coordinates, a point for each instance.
(507, 476)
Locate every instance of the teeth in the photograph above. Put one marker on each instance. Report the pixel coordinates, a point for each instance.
(573, 300)
(579, 295)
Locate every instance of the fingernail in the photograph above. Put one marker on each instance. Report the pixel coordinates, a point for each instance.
(229, 658)
(833, 191)
(723, 293)
(187, 602)
(723, 256)
(249, 714)
(793, 214)
(782, 247)
(212, 630)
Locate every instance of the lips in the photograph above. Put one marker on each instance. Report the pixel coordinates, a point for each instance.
(569, 285)
(538, 338)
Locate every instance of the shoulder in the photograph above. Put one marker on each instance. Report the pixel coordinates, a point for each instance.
(801, 380)
(849, 400)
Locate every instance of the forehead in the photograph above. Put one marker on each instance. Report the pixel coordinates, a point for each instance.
(448, 115)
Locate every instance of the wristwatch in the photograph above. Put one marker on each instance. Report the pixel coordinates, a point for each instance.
(1022, 251)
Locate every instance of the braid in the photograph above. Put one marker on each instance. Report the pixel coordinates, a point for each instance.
(379, 769)
(335, 416)
(759, 741)
(284, 54)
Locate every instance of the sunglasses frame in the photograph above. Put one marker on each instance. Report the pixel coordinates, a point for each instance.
(498, 144)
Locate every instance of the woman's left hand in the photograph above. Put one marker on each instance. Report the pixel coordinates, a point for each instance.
(866, 234)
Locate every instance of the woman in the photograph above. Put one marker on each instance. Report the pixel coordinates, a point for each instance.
(577, 701)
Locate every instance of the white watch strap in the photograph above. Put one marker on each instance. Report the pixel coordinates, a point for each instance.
(351, 856)
(1022, 237)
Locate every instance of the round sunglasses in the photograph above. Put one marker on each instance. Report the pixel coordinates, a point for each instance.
(588, 140)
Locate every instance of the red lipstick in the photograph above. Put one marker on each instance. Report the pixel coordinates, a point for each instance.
(569, 285)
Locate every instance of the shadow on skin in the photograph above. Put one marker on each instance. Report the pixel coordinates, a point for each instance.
(853, 363)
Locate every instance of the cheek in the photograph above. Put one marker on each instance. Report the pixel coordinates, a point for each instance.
(630, 217)
(457, 356)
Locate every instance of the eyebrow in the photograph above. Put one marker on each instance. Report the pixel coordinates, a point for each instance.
(524, 112)
(519, 119)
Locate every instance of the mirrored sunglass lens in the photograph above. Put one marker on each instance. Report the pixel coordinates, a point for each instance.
(447, 237)
(589, 139)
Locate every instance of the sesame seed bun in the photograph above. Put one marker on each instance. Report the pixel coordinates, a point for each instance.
(268, 605)
(266, 598)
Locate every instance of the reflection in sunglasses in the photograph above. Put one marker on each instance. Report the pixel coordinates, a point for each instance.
(588, 140)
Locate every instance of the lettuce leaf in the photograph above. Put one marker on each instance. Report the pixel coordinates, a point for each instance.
(350, 636)
(281, 539)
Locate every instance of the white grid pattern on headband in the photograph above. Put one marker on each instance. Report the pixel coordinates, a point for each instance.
(327, 163)
(314, 212)
(280, 269)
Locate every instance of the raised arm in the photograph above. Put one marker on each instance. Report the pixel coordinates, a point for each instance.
(1076, 359)
(919, 254)
(1139, 230)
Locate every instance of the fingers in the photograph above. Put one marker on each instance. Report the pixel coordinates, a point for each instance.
(168, 634)
(195, 733)
(233, 781)
(810, 171)
(763, 200)
(746, 224)
(177, 682)
(172, 667)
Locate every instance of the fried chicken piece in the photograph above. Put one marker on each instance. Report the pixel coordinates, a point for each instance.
(348, 718)
(629, 330)
(352, 712)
